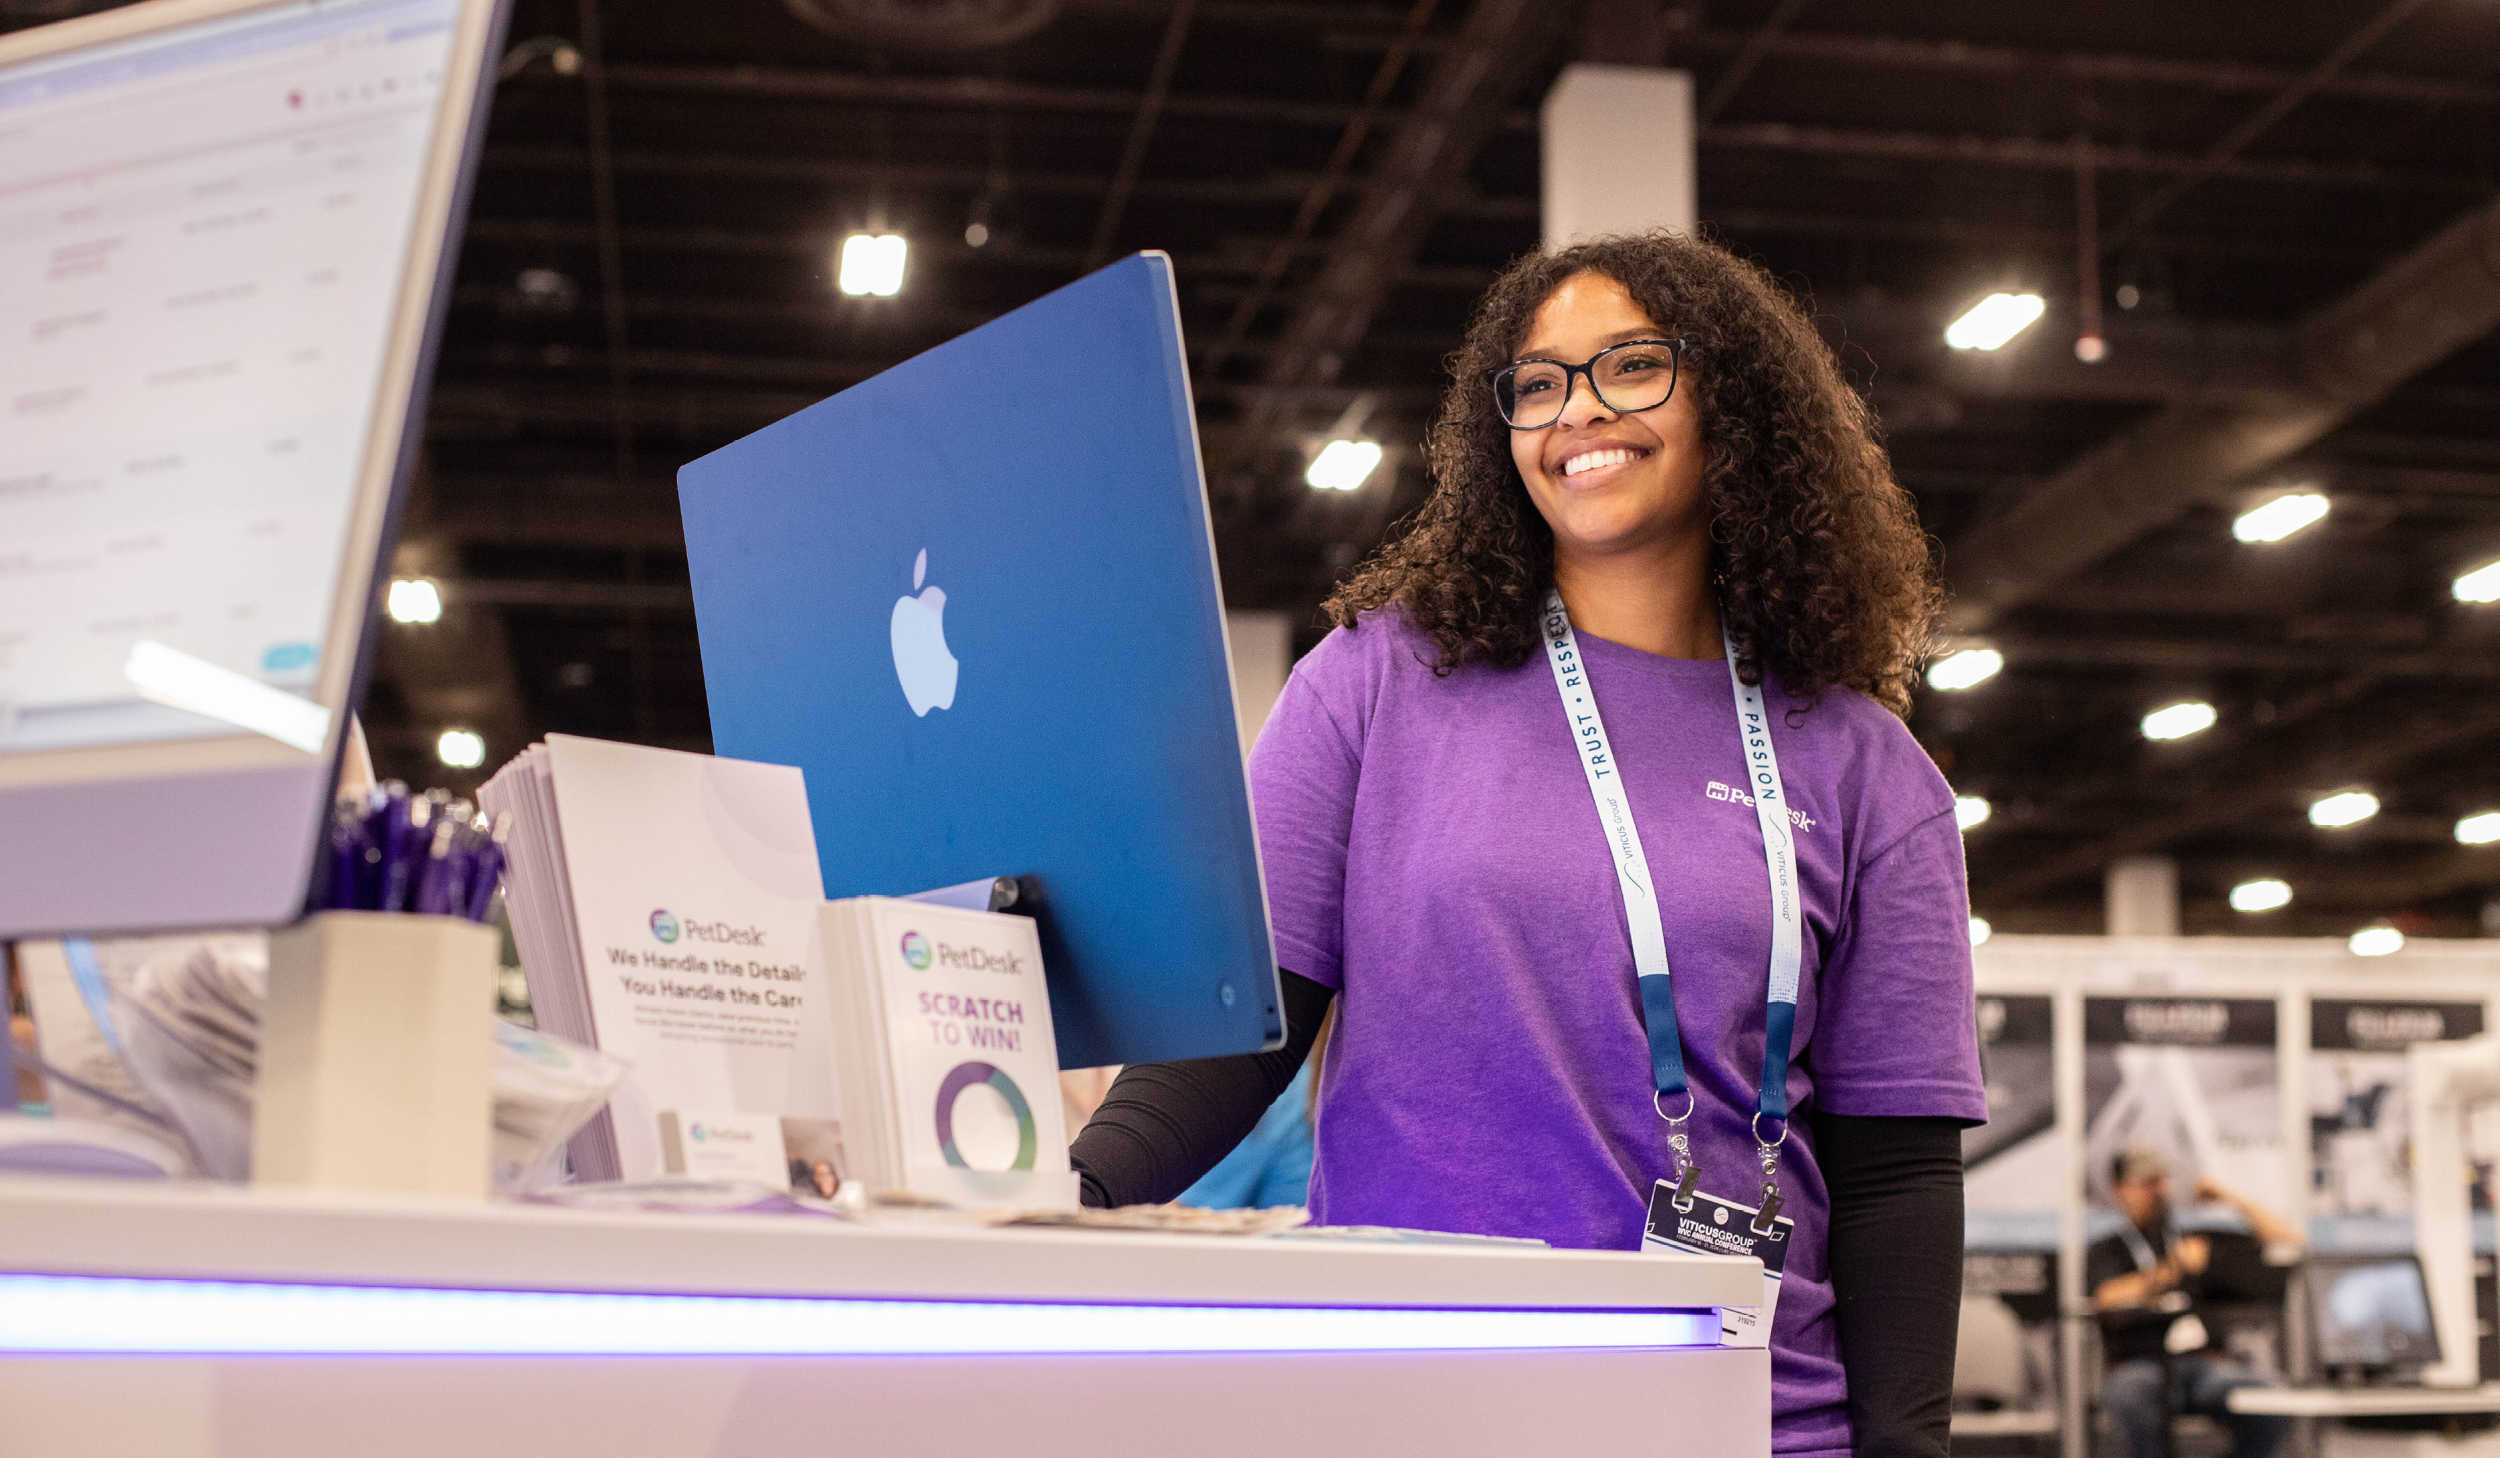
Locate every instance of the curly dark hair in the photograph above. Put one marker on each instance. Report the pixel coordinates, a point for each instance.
(1823, 573)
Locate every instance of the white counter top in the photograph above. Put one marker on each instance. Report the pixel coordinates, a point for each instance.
(2365, 1401)
(216, 1232)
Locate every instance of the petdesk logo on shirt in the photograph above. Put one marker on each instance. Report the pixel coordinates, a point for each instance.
(1734, 796)
(916, 951)
(664, 926)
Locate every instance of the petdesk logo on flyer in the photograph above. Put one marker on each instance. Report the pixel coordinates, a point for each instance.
(916, 951)
(664, 926)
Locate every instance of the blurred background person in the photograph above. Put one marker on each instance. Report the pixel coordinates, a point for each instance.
(2154, 1287)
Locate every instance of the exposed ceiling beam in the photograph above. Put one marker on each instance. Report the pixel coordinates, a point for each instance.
(1423, 159)
(2217, 655)
(2442, 295)
(566, 232)
(1732, 77)
(2257, 123)
(977, 93)
(2149, 359)
(1282, 189)
(466, 408)
(1974, 59)
(2370, 740)
(2045, 155)
(2459, 868)
(1141, 132)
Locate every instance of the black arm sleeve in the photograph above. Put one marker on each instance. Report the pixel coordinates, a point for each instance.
(1163, 1125)
(1896, 1263)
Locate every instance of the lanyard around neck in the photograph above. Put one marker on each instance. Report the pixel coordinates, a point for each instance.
(1643, 914)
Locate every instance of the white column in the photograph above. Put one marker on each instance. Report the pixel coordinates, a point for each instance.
(1262, 646)
(2142, 897)
(1618, 147)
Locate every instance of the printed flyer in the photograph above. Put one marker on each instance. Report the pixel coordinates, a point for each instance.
(695, 889)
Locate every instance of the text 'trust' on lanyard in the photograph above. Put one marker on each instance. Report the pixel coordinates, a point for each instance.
(1644, 916)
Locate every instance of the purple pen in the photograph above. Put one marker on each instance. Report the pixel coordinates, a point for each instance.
(401, 841)
(347, 853)
(432, 895)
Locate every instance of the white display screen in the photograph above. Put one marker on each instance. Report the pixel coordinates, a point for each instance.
(202, 240)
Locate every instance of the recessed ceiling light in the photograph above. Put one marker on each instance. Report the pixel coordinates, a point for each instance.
(1966, 669)
(415, 600)
(2480, 585)
(2480, 829)
(2178, 721)
(2280, 517)
(1343, 465)
(2376, 941)
(2264, 894)
(872, 263)
(1994, 320)
(2349, 807)
(1971, 811)
(1980, 931)
(461, 749)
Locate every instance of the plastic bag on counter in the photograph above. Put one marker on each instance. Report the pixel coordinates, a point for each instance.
(545, 1089)
(187, 1013)
(188, 1018)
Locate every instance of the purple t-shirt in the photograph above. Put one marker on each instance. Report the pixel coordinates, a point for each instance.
(1432, 853)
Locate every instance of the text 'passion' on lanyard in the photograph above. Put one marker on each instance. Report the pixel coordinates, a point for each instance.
(1646, 917)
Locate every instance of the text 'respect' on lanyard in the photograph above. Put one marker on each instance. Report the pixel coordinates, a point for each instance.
(1645, 917)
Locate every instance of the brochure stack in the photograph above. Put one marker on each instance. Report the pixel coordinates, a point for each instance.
(665, 907)
(949, 1068)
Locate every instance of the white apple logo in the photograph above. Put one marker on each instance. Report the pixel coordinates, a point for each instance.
(921, 661)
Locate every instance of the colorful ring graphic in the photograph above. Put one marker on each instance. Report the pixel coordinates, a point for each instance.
(964, 1076)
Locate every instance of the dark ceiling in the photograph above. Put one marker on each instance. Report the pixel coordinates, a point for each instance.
(647, 276)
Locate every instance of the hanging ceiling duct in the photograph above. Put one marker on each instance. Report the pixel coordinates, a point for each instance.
(927, 25)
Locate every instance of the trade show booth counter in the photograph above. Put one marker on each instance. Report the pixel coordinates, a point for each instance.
(174, 1320)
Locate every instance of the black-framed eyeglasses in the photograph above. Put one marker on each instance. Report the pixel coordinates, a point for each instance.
(1628, 378)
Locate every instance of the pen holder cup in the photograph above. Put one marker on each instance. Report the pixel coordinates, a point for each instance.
(376, 1056)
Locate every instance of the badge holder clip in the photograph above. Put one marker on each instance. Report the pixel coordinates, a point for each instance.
(1688, 1175)
(1768, 1215)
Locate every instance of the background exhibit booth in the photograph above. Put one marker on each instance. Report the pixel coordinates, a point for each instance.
(2282, 1069)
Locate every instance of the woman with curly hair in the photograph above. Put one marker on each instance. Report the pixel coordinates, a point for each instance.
(1648, 473)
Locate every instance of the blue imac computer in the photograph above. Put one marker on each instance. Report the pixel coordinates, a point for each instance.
(975, 599)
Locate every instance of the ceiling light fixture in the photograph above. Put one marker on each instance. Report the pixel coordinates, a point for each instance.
(2480, 829)
(1966, 669)
(2376, 941)
(1980, 931)
(461, 748)
(1994, 321)
(2178, 721)
(2264, 894)
(1343, 465)
(2349, 807)
(415, 600)
(872, 264)
(2480, 585)
(1971, 811)
(2280, 517)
